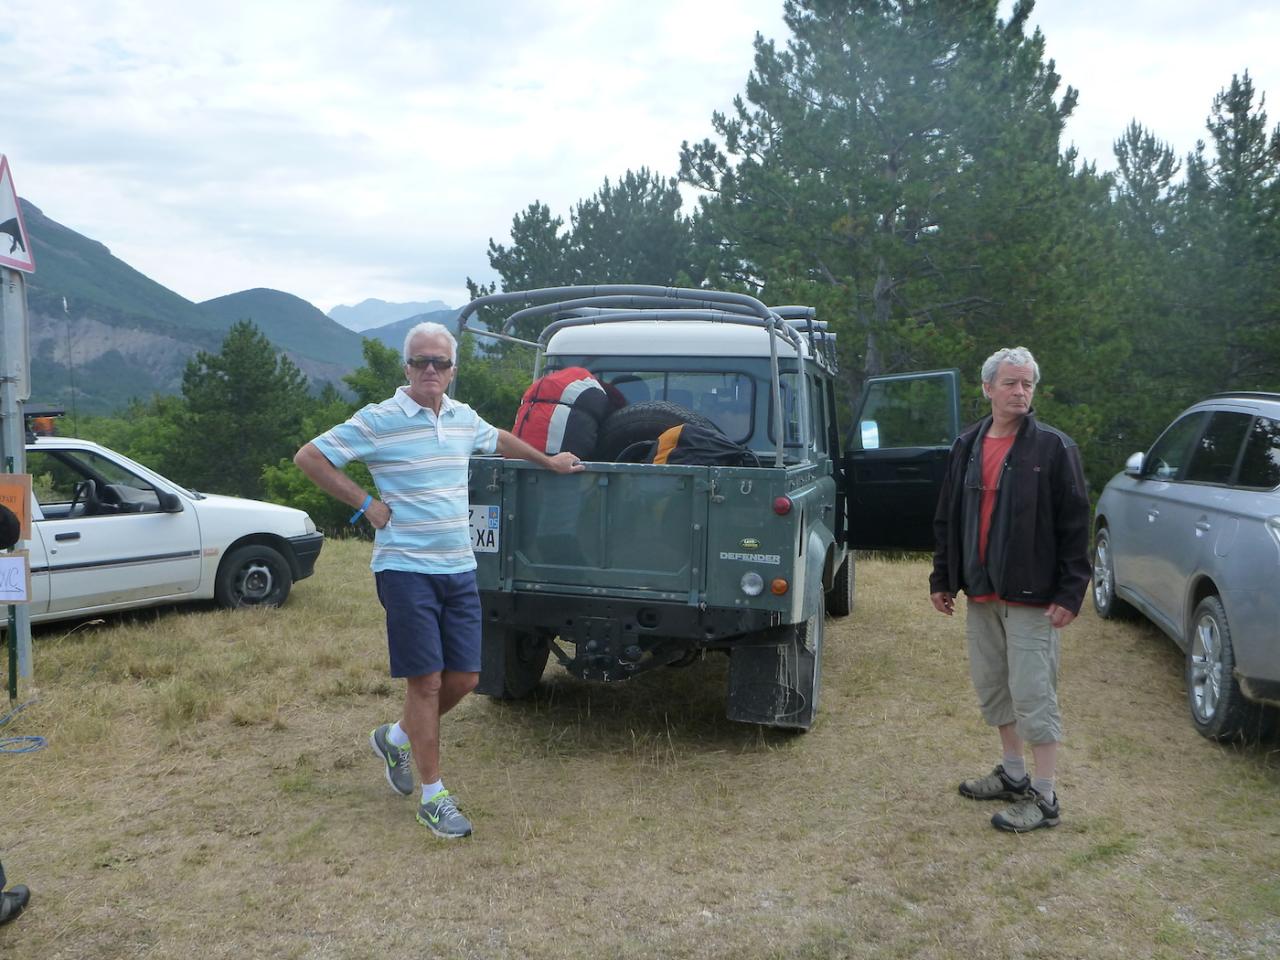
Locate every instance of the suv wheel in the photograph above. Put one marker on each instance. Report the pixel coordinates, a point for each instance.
(840, 596)
(1105, 600)
(1218, 707)
(639, 422)
(516, 661)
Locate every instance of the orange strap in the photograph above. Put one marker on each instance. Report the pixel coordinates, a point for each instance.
(667, 441)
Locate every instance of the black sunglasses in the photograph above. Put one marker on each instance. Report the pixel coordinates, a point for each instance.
(421, 363)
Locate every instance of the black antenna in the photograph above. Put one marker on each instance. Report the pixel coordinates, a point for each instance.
(71, 372)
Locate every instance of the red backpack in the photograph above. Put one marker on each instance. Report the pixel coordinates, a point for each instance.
(562, 411)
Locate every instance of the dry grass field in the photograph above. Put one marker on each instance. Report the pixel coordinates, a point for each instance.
(207, 791)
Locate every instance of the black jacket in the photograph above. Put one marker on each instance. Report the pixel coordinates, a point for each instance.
(1042, 510)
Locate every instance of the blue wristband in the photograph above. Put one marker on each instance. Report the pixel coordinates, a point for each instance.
(363, 507)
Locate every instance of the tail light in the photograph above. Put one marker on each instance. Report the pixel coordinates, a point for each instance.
(782, 506)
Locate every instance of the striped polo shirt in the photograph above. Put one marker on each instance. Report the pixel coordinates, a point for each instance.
(419, 463)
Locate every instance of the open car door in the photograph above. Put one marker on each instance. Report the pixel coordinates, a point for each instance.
(897, 455)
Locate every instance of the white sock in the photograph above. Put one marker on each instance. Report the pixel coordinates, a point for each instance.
(1015, 767)
(1044, 787)
(429, 790)
(397, 737)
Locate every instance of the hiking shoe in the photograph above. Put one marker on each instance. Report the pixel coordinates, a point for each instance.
(1030, 813)
(13, 901)
(997, 785)
(440, 815)
(399, 770)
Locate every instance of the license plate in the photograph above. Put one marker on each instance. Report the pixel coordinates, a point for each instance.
(484, 528)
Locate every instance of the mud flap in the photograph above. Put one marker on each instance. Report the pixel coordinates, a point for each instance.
(778, 686)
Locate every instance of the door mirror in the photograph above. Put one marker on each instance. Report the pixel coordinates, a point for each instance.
(1133, 466)
(870, 435)
(168, 502)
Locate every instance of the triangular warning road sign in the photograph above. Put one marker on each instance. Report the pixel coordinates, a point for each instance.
(15, 245)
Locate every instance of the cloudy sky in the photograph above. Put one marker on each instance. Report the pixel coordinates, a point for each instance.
(340, 150)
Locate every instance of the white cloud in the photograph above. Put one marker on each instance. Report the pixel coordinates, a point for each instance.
(340, 150)
(1157, 61)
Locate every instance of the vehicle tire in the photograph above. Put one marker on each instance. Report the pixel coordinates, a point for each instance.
(810, 638)
(1218, 707)
(1105, 601)
(512, 662)
(641, 421)
(254, 575)
(840, 596)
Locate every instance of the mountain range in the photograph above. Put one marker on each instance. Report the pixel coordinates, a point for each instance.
(370, 314)
(102, 334)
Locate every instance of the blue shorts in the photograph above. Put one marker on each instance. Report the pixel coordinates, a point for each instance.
(433, 621)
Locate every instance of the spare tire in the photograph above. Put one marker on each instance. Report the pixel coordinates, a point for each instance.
(641, 421)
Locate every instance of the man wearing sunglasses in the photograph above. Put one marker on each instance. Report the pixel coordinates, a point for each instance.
(417, 445)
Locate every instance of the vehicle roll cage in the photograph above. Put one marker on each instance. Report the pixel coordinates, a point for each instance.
(575, 306)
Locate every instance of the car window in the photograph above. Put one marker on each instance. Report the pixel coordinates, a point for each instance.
(53, 479)
(1213, 458)
(906, 412)
(1260, 465)
(77, 483)
(1170, 453)
(819, 415)
(726, 399)
(790, 411)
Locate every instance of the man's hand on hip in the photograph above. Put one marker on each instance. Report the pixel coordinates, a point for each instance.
(379, 514)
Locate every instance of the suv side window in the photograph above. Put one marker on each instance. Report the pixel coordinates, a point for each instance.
(1260, 465)
(790, 411)
(816, 398)
(1213, 458)
(1171, 452)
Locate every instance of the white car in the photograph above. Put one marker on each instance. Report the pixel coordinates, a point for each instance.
(109, 534)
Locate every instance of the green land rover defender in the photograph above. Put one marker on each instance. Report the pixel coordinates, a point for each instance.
(627, 566)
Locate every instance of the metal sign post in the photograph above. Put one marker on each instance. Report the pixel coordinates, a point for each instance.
(14, 388)
(15, 383)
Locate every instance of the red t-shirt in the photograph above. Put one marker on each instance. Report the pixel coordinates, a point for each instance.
(994, 452)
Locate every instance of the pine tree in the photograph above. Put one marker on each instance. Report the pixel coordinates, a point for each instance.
(630, 232)
(244, 409)
(1229, 269)
(851, 172)
(382, 373)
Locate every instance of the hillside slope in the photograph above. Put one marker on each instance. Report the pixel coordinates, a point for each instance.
(107, 333)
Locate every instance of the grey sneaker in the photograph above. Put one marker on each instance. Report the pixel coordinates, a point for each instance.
(1030, 813)
(399, 770)
(13, 901)
(997, 785)
(440, 815)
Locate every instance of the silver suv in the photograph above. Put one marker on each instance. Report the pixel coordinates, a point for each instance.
(1189, 535)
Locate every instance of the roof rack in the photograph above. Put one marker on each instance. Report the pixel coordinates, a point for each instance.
(573, 306)
(615, 302)
(1251, 394)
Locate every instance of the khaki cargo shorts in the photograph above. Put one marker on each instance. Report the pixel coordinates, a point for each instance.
(1013, 660)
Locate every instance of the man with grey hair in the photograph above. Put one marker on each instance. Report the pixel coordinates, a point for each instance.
(1012, 531)
(417, 445)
